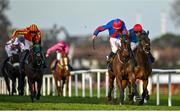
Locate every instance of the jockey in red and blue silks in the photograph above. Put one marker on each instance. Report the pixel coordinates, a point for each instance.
(134, 33)
(116, 29)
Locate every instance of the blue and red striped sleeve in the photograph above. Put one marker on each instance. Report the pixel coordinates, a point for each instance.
(100, 29)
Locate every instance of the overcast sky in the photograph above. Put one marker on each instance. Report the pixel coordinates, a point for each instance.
(83, 16)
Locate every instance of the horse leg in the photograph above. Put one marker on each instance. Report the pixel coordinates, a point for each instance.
(21, 85)
(61, 87)
(57, 87)
(145, 91)
(67, 85)
(124, 84)
(119, 80)
(7, 81)
(13, 86)
(132, 87)
(31, 89)
(136, 93)
(39, 84)
(111, 80)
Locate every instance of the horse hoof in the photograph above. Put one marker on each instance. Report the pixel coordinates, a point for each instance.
(141, 102)
(109, 98)
(147, 97)
(131, 102)
(32, 100)
(121, 103)
(38, 97)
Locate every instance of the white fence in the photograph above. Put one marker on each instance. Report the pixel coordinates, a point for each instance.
(48, 87)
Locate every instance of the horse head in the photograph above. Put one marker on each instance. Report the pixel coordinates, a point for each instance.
(124, 49)
(36, 56)
(63, 62)
(144, 42)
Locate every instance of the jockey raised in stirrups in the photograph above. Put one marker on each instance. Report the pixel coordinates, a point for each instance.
(134, 33)
(31, 34)
(116, 29)
(13, 47)
(60, 47)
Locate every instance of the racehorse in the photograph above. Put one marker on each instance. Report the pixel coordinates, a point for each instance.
(61, 74)
(122, 70)
(34, 70)
(10, 71)
(144, 65)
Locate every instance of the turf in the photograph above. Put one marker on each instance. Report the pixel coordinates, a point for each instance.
(80, 103)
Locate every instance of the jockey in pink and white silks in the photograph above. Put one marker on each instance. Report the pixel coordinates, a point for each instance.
(59, 48)
(117, 29)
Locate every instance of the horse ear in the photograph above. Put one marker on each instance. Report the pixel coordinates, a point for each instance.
(148, 32)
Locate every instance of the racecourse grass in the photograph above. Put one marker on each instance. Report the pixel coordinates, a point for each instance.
(80, 103)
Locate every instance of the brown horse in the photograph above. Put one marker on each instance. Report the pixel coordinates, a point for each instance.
(144, 65)
(61, 74)
(123, 71)
(34, 72)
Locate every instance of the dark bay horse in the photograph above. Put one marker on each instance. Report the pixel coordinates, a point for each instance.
(34, 71)
(144, 65)
(10, 71)
(61, 74)
(123, 71)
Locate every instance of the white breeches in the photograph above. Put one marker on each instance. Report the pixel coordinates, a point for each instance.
(58, 56)
(28, 44)
(9, 51)
(133, 45)
(114, 44)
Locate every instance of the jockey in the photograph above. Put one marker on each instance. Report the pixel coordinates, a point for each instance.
(60, 47)
(13, 48)
(32, 35)
(116, 29)
(134, 33)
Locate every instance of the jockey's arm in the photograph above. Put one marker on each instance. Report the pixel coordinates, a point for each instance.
(101, 28)
(19, 32)
(51, 49)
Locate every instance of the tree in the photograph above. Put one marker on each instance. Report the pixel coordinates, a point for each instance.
(4, 26)
(175, 12)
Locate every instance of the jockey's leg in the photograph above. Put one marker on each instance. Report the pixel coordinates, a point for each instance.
(70, 67)
(44, 60)
(151, 57)
(54, 67)
(133, 47)
(114, 42)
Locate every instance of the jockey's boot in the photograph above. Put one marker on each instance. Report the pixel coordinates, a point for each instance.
(151, 57)
(70, 67)
(109, 60)
(134, 59)
(44, 60)
(54, 67)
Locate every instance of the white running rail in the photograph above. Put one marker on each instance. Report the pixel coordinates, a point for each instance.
(48, 86)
